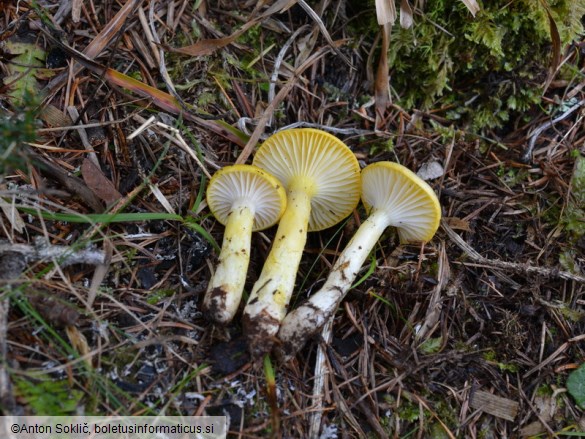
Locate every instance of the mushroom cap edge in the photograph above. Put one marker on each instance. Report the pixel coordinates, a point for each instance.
(336, 171)
(416, 211)
(246, 183)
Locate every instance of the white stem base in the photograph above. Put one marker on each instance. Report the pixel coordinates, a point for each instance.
(310, 317)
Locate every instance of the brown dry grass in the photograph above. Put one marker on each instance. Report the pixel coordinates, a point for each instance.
(417, 349)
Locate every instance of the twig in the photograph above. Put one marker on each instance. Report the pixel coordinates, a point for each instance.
(562, 348)
(513, 266)
(74, 114)
(13, 260)
(342, 131)
(6, 397)
(42, 251)
(435, 306)
(536, 134)
(87, 125)
(72, 183)
(320, 373)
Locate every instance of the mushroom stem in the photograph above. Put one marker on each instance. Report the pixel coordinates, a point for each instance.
(310, 316)
(225, 288)
(272, 291)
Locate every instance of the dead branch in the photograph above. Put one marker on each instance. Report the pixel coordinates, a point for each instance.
(7, 400)
(42, 251)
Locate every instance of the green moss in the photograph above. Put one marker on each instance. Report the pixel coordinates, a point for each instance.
(574, 214)
(408, 411)
(568, 262)
(25, 68)
(552, 210)
(446, 413)
(437, 431)
(431, 345)
(251, 37)
(508, 367)
(544, 390)
(382, 146)
(46, 396)
(156, 296)
(488, 69)
(511, 176)
(491, 357)
(572, 219)
(206, 98)
(16, 130)
(572, 315)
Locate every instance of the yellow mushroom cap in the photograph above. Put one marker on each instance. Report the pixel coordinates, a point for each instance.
(248, 185)
(319, 161)
(411, 203)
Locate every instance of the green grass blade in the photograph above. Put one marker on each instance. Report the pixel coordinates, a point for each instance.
(204, 233)
(370, 271)
(108, 218)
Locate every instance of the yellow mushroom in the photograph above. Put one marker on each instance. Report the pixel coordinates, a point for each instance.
(394, 196)
(322, 180)
(244, 198)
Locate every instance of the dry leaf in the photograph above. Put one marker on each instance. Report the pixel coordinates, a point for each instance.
(406, 17)
(98, 183)
(472, 6)
(110, 30)
(55, 309)
(76, 10)
(206, 47)
(556, 44)
(494, 405)
(99, 274)
(12, 215)
(54, 117)
(381, 85)
(546, 408)
(385, 11)
(23, 70)
(457, 223)
(79, 343)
